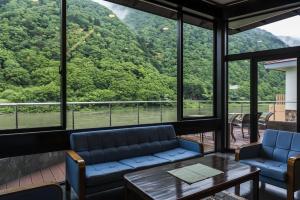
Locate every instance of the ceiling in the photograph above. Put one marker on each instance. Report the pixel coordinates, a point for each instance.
(225, 2)
(241, 14)
(262, 19)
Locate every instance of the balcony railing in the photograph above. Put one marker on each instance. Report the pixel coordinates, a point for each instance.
(111, 113)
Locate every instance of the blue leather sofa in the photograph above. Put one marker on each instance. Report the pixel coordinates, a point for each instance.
(41, 192)
(98, 160)
(278, 158)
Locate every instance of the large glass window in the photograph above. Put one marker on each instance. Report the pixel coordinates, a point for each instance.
(276, 35)
(277, 95)
(122, 66)
(29, 63)
(198, 83)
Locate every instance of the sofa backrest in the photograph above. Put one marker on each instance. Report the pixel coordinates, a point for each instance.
(280, 145)
(116, 144)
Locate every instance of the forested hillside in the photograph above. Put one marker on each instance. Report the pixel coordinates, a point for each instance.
(133, 58)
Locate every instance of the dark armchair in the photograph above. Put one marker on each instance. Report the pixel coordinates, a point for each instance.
(278, 157)
(41, 192)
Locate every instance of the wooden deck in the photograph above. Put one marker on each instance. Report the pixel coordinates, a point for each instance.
(207, 139)
(53, 174)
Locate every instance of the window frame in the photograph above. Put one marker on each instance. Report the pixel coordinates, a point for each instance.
(191, 20)
(63, 72)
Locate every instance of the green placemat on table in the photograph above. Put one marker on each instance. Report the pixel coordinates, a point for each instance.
(194, 173)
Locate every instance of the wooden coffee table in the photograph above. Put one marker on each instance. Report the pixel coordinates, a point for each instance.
(156, 183)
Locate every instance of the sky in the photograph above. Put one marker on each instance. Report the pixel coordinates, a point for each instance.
(286, 27)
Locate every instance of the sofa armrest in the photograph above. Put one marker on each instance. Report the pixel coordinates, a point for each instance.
(248, 151)
(75, 172)
(294, 172)
(191, 145)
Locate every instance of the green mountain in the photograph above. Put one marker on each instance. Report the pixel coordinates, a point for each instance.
(133, 58)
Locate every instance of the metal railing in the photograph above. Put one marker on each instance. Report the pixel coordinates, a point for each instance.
(73, 107)
(245, 105)
(110, 105)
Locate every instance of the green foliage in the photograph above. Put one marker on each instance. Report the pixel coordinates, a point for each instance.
(134, 58)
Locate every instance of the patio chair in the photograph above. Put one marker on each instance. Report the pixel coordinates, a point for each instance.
(264, 119)
(243, 122)
(233, 120)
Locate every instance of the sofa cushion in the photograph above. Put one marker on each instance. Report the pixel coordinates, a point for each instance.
(269, 168)
(295, 146)
(280, 145)
(143, 161)
(283, 146)
(98, 174)
(269, 143)
(177, 154)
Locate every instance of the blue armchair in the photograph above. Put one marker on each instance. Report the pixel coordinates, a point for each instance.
(42, 192)
(98, 160)
(278, 157)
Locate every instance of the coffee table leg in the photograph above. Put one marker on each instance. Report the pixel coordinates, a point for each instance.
(237, 190)
(126, 193)
(255, 187)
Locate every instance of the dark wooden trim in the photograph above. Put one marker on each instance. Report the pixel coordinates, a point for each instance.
(253, 100)
(262, 22)
(298, 94)
(215, 71)
(34, 187)
(180, 66)
(291, 173)
(258, 7)
(76, 157)
(81, 165)
(275, 54)
(220, 50)
(30, 130)
(238, 150)
(63, 64)
(154, 6)
(33, 143)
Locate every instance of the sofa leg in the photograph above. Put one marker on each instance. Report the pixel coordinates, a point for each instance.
(68, 186)
(68, 190)
(290, 193)
(263, 186)
(81, 196)
(237, 190)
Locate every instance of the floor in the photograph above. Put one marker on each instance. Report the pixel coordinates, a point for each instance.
(207, 139)
(56, 174)
(268, 193)
(53, 174)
